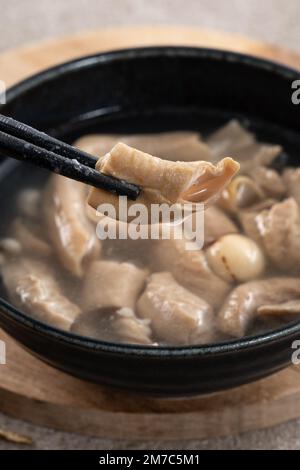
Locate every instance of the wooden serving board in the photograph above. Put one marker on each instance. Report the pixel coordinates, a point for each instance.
(35, 392)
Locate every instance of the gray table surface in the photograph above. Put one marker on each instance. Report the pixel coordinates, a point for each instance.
(275, 21)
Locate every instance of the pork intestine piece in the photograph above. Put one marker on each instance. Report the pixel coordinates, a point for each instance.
(242, 192)
(131, 329)
(269, 180)
(291, 177)
(242, 304)
(69, 229)
(277, 230)
(30, 240)
(280, 232)
(229, 139)
(112, 284)
(178, 145)
(162, 181)
(32, 287)
(247, 218)
(234, 139)
(217, 224)
(177, 316)
(190, 268)
(245, 191)
(108, 324)
(256, 155)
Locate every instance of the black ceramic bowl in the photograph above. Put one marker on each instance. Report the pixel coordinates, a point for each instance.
(146, 90)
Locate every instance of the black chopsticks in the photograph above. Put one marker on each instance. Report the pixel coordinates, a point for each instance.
(22, 142)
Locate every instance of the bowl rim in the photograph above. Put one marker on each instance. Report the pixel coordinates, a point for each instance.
(219, 348)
